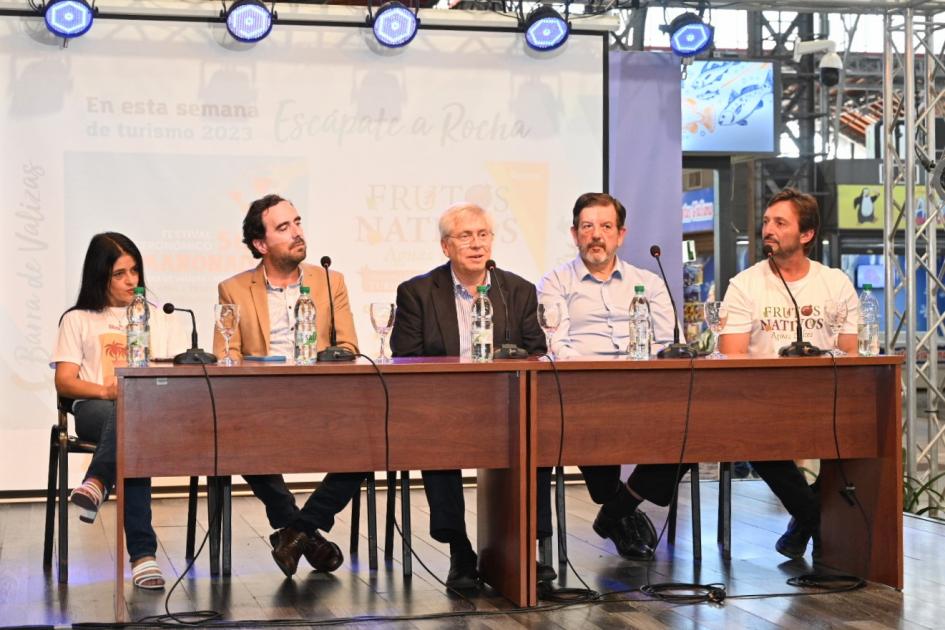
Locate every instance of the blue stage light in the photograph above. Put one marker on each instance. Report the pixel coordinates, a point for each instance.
(395, 25)
(545, 29)
(689, 35)
(69, 18)
(248, 20)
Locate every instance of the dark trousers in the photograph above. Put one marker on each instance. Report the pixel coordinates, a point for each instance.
(95, 422)
(444, 489)
(334, 493)
(657, 482)
(653, 482)
(318, 512)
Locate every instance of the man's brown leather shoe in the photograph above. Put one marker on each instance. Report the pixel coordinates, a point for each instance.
(288, 545)
(322, 554)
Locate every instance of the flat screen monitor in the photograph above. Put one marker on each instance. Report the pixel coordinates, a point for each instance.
(730, 107)
(873, 275)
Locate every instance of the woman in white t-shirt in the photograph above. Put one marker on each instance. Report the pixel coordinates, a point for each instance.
(90, 345)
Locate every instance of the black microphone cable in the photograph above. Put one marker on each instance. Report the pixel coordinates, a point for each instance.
(195, 617)
(848, 492)
(565, 595)
(686, 593)
(407, 543)
(652, 588)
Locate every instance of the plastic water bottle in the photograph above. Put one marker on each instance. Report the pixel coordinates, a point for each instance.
(868, 327)
(138, 332)
(482, 326)
(641, 326)
(305, 333)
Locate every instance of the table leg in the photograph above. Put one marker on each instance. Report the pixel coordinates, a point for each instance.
(872, 551)
(121, 610)
(505, 511)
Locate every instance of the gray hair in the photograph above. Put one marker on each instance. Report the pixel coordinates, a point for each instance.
(452, 214)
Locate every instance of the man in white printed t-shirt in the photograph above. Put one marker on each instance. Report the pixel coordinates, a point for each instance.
(761, 320)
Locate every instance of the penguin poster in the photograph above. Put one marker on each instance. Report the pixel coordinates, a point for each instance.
(865, 205)
(862, 206)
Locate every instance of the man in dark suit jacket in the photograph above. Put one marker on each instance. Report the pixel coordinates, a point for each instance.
(433, 319)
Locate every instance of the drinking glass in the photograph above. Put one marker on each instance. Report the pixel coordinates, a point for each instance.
(227, 318)
(382, 318)
(835, 312)
(549, 318)
(715, 315)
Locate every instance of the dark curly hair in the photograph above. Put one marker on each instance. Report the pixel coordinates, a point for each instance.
(253, 227)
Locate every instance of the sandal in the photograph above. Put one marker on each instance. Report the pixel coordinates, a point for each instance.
(148, 576)
(88, 498)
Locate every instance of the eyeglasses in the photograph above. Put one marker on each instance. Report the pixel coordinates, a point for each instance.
(466, 238)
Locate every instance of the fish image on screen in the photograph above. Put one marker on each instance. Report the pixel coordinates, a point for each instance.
(728, 107)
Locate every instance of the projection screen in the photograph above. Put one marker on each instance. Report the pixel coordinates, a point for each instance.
(156, 130)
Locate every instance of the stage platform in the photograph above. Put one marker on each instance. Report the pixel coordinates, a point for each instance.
(257, 590)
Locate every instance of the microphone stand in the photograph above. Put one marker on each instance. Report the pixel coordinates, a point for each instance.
(674, 350)
(193, 355)
(799, 347)
(333, 353)
(508, 350)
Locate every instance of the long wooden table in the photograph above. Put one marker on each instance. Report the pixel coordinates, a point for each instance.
(445, 413)
(619, 412)
(503, 418)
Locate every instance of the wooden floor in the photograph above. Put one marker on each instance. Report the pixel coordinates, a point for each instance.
(258, 591)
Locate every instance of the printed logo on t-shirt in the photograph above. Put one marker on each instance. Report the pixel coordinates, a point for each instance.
(114, 352)
(781, 321)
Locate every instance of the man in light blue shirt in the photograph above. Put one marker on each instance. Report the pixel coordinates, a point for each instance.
(595, 290)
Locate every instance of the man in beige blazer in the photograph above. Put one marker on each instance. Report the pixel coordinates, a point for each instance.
(249, 290)
(266, 295)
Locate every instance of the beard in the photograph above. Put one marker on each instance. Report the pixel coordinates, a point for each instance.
(290, 259)
(595, 253)
(782, 249)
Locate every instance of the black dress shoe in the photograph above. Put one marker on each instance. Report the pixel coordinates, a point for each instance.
(644, 527)
(322, 554)
(793, 543)
(287, 547)
(544, 573)
(623, 532)
(463, 573)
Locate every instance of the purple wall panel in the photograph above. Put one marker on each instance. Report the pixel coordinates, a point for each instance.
(646, 157)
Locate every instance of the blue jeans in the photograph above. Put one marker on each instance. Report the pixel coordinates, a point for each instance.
(95, 422)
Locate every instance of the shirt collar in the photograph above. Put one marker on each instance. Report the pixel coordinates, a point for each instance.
(293, 285)
(460, 288)
(584, 273)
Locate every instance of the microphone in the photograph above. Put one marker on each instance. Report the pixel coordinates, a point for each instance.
(508, 350)
(195, 355)
(334, 352)
(675, 350)
(799, 348)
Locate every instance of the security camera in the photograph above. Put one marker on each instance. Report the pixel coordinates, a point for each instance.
(830, 64)
(830, 67)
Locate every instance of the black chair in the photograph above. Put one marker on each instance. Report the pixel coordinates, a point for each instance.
(61, 445)
(724, 529)
(724, 524)
(389, 528)
(544, 549)
(219, 519)
(696, 506)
